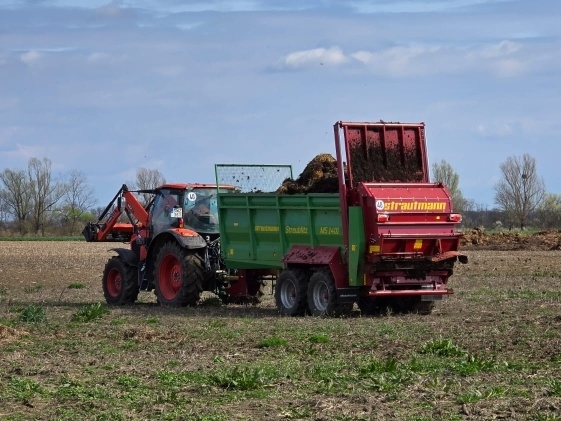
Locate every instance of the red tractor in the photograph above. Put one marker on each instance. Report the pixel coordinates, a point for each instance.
(174, 244)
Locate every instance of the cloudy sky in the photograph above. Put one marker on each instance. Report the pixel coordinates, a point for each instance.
(179, 85)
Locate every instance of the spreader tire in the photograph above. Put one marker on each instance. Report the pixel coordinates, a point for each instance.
(290, 292)
(178, 276)
(120, 284)
(322, 296)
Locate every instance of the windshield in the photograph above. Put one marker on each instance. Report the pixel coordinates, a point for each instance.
(201, 210)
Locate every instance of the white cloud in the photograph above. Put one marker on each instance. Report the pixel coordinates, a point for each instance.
(502, 49)
(496, 128)
(397, 61)
(31, 57)
(317, 56)
(111, 10)
(97, 57)
(415, 6)
(188, 26)
(501, 59)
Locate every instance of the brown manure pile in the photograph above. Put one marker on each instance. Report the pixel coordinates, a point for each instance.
(319, 176)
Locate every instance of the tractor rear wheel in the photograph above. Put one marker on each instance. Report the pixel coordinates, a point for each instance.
(290, 292)
(322, 296)
(120, 283)
(178, 276)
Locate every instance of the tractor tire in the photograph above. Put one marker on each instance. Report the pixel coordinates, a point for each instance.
(178, 276)
(119, 282)
(322, 296)
(290, 292)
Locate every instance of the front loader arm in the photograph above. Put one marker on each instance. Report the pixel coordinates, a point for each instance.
(107, 221)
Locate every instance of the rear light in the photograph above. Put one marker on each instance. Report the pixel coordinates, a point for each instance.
(455, 217)
(383, 217)
(180, 222)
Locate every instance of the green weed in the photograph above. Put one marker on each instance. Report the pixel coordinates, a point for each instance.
(76, 285)
(473, 364)
(554, 387)
(271, 342)
(443, 348)
(31, 289)
(32, 314)
(240, 378)
(90, 312)
(23, 390)
(477, 395)
(152, 320)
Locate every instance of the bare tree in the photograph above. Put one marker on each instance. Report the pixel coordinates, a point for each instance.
(17, 196)
(444, 173)
(45, 192)
(520, 190)
(147, 179)
(77, 199)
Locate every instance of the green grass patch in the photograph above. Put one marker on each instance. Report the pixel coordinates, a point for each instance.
(32, 314)
(90, 312)
(31, 289)
(272, 342)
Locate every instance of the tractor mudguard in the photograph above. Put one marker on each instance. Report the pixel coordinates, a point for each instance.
(127, 256)
(188, 241)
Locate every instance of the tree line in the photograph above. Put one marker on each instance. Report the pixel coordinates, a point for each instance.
(34, 201)
(521, 199)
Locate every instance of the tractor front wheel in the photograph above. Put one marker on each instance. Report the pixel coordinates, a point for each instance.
(120, 283)
(178, 276)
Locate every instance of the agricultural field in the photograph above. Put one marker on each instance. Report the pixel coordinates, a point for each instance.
(490, 351)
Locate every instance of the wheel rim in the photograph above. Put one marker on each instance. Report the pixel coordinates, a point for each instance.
(170, 277)
(288, 294)
(114, 282)
(321, 296)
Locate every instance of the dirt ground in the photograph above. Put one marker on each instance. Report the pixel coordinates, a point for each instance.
(505, 313)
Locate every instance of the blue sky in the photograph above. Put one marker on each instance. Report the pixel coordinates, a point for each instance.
(108, 87)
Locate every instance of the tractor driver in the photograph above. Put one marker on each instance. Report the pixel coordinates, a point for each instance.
(200, 214)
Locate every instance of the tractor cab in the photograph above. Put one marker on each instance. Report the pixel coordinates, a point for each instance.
(187, 206)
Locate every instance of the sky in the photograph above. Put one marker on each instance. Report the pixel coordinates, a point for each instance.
(179, 86)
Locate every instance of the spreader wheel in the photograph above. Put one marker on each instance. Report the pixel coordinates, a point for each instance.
(120, 284)
(290, 292)
(322, 296)
(178, 276)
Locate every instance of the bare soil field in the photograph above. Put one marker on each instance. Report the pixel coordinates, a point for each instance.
(492, 350)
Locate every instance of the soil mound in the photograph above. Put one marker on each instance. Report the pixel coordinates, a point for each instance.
(319, 176)
(511, 240)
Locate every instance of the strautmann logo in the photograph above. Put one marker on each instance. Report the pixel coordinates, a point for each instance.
(409, 206)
